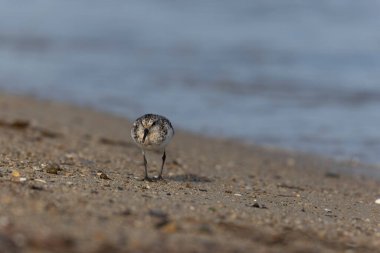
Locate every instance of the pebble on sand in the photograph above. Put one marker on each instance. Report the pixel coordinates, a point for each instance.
(377, 201)
(169, 228)
(37, 168)
(40, 180)
(104, 176)
(15, 173)
(53, 168)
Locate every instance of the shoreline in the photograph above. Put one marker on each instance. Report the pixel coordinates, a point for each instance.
(219, 195)
(352, 168)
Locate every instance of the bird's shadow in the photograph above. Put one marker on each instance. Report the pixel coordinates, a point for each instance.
(190, 178)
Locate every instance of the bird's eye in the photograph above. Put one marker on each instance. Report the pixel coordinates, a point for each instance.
(154, 123)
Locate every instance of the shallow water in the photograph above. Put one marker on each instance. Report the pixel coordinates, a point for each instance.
(297, 74)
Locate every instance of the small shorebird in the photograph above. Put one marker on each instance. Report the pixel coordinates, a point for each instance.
(152, 132)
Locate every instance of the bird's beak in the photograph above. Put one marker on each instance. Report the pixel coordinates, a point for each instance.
(146, 131)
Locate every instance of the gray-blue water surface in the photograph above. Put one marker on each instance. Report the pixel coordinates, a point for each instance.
(296, 74)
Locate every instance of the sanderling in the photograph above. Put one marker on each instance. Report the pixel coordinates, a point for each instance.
(152, 132)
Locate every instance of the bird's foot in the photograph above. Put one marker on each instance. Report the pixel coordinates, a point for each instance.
(146, 178)
(160, 178)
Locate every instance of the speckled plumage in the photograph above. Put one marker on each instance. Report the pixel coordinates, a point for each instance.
(160, 132)
(152, 132)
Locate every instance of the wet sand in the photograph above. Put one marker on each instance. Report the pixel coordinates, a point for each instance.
(69, 182)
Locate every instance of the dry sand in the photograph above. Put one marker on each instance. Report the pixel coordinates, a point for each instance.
(68, 183)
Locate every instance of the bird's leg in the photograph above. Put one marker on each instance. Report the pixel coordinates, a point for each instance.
(145, 167)
(162, 166)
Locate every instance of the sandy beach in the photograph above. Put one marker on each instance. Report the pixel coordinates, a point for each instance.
(69, 182)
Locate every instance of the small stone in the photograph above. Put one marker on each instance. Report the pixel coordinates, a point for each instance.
(36, 168)
(256, 205)
(169, 228)
(15, 173)
(104, 176)
(377, 201)
(146, 187)
(40, 180)
(237, 194)
(23, 179)
(53, 168)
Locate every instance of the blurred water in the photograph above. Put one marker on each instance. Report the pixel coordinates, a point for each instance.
(296, 74)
